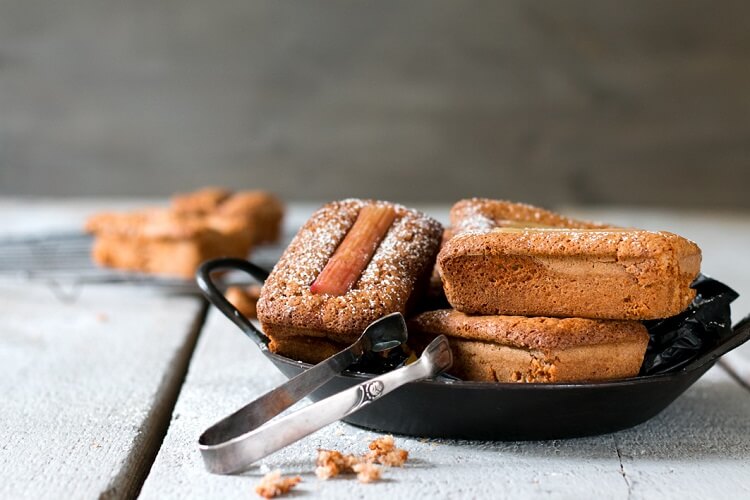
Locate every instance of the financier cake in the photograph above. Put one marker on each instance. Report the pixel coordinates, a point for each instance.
(260, 211)
(351, 263)
(522, 349)
(491, 267)
(174, 241)
(482, 214)
(160, 241)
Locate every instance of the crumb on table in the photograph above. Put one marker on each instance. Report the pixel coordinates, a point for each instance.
(274, 484)
(331, 463)
(383, 451)
(366, 472)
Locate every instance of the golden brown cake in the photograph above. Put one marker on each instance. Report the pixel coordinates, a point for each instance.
(523, 349)
(482, 214)
(351, 263)
(513, 258)
(202, 201)
(590, 273)
(311, 350)
(160, 241)
(205, 224)
(260, 211)
(245, 299)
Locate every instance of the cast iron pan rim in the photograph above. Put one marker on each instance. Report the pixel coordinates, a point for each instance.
(217, 298)
(504, 386)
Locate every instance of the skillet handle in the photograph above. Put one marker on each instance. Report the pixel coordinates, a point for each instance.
(217, 298)
(740, 335)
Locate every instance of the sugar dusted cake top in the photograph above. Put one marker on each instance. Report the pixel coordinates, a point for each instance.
(482, 214)
(406, 253)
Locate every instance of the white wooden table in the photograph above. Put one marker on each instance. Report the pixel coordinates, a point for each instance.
(104, 395)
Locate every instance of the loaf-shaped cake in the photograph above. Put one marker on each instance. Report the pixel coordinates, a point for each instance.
(536, 349)
(197, 226)
(510, 259)
(352, 262)
(160, 241)
(260, 211)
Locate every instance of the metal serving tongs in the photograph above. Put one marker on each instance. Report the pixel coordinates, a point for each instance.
(237, 441)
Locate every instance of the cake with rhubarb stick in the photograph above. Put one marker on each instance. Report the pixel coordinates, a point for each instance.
(352, 262)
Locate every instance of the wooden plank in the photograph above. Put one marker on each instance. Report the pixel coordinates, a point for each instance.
(698, 448)
(704, 430)
(227, 371)
(704, 433)
(88, 387)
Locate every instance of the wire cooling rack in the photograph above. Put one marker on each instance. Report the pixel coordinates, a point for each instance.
(63, 261)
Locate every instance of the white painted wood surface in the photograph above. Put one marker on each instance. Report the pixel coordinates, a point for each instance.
(698, 448)
(87, 385)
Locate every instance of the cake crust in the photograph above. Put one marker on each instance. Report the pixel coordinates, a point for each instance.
(517, 259)
(603, 273)
(261, 212)
(483, 214)
(160, 241)
(535, 349)
(543, 333)
(287, 307)
(174, 241)
(311, 350)
(202, 201)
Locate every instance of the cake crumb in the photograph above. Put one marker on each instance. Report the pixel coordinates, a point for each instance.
(383, 451)
(331, 463)
(366, 472)
(274, 484)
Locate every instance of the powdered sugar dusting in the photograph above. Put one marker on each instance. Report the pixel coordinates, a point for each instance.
(481, 215)
(406, 252)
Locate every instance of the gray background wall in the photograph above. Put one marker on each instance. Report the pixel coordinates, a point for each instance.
(641, 102)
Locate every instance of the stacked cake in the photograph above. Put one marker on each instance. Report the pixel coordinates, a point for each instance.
(537, 297)
(534, 296)
(175, 240)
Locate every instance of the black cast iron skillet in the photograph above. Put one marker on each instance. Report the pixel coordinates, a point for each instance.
(489, 410)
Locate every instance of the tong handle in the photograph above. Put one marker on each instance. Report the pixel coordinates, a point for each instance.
(240, 452)
(216, 297)
(258, 412)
